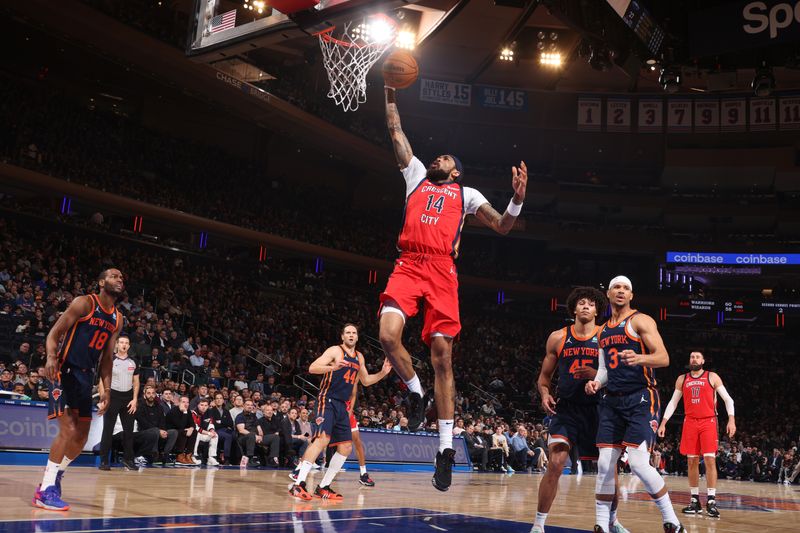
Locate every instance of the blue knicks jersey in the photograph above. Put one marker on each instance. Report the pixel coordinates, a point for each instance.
(84, 342)
(339, 384)
(622, 378)
(576, 352)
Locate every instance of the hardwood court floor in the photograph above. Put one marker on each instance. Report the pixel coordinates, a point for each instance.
(234, 500)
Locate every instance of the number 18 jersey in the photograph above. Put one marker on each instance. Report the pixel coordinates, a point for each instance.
(84, 342)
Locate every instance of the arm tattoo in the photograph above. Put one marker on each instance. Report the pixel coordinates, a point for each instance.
(402, 148)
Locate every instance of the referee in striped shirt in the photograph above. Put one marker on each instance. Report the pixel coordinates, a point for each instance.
(124, 394)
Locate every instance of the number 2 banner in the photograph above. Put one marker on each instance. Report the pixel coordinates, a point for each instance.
(589, 110)
(651, 116)
(679, 116)
(618, 115)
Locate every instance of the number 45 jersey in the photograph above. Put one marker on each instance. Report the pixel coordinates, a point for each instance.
(576, 352)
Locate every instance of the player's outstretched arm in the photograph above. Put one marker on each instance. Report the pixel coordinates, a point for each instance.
(368, 379)
(327, 362)
(548, 369)
(720, 389)
(402, 148)
(672, 405)
(502, 224)
(79, 308)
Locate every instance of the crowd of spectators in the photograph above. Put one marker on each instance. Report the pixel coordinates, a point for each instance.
(234, 335)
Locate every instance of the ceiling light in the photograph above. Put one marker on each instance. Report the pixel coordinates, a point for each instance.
(507, 54)
(764, 81)
(550, 59)
(406, 39)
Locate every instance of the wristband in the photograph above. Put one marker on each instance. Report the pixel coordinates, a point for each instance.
(514, 209)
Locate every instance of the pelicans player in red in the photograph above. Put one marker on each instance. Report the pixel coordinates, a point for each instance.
(342, 368)
(699, 389)
(425, 277)
(89, 327)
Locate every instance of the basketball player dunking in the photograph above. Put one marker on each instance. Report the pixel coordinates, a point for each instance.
(425, 274)
(342, 367)
(630, 348)
(574, 351)
(89, 327)
(699, 389)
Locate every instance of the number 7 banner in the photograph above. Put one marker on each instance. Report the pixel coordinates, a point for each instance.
(679, 116)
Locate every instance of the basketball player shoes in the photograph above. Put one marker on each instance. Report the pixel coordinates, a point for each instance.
(443, 475)
(50, 499)
(694, 506)
(366, 480)
(711, 508)
(298, 490)
(327, 493)
(416, 412)
(669, 527)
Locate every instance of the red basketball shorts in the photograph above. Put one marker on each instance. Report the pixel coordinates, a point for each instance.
(429, 282)
(699, 436)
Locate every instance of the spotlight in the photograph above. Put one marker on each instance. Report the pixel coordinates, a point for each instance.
(379, 30)
(507, 54)
(670, 79)
(764, 81)
(550, 59)
(406, 39)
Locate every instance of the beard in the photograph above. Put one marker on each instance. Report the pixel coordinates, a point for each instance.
(695, 368)
(437, 175)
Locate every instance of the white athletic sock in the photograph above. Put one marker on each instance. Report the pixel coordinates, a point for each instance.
(540, 519)
(667, 512)
(64, 463)
(694, 491)
(336, 464)
(414, 385)
(305, 468)
(363, 469)
(602, 510)
(712, 492)
(445, 434)
(50, 472)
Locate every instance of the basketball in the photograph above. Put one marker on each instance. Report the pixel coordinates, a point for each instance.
(400, 69)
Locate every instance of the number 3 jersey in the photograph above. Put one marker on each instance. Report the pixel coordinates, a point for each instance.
(434, 214)
(84, 342)
(624, 378)
(338, 385)
(576, 352)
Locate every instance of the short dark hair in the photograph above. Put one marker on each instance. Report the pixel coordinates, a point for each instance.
(104, 273)
(202, 400)
(347, 325)
(589, 293)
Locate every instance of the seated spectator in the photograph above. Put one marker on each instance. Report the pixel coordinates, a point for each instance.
(19, 390)
(204, 421)
(241, 381)
(150, 418)
(143, 442)
(271, 429)
(249, 433)
(521, 457)
(223, 423)
(180, 418)
(402, 425)
(257, 385)
(477, 447)
(500, 449)
(33, 386)
(202, 393)
(6, 380)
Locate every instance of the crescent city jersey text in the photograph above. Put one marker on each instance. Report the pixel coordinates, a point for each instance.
(699, 396)
(339, 384)
(576, 352)
(84, 342)
(434, 214)
(622, 378)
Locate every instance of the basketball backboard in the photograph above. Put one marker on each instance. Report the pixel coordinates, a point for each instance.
(223, 29)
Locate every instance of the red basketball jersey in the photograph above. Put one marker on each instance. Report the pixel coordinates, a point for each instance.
(433, 218)
(699, 397)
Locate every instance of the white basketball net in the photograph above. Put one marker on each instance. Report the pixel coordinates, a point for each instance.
(349, 57)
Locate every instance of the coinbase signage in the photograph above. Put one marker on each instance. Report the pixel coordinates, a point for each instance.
(384, 446)
(714, 258)
(25, 426)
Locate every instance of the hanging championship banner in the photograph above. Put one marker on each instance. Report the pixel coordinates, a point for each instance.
(789, 112)
(733, 115)
(762, 114)
(618, 115)
(589, 112)
(651, 116)
(679, 116)
(706, 115)
(445, 92)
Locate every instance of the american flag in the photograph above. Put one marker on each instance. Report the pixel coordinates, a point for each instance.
(222, 22)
